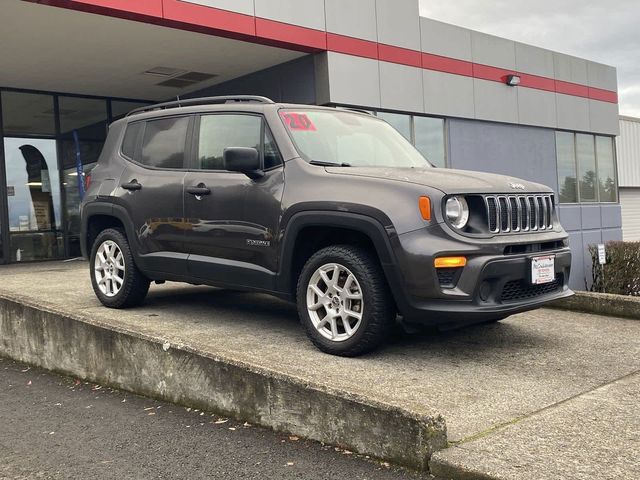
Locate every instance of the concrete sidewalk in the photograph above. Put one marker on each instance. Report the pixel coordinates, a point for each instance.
(486, 382)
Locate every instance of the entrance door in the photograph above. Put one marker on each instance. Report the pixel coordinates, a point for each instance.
(33, 200)
(235, 223)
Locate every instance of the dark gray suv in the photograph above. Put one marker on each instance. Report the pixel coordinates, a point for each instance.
(330, 208)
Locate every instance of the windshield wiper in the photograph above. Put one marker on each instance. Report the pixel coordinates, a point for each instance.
(329, 164)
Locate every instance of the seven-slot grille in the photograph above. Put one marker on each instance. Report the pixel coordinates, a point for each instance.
(519, 213)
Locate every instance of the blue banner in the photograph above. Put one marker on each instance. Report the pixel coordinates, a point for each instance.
(79, 167)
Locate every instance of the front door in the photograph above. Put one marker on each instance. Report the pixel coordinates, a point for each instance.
(234, 219)
(151, 189)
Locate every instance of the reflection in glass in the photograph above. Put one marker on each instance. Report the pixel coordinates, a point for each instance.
(119, 108)
(83, 129)
(402, 123)
(218, 132)
(606, 169)
(33, 194)
(429, 139)
(28, 114)
(566, 156)
(586, 155)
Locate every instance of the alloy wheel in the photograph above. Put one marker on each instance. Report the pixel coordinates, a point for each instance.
(109, 268)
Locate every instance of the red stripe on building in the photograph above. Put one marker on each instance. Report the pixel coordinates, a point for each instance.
(152, 8)
(352, 46)
(494, 74)
(291, 34)
(447, 65)
(574, 89)
(537, 82)
(403, 56)
(603, 95)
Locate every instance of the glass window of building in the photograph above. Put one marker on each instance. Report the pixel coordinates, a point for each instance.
(606, 169)
(429, 139)
(83, 130)
(402, 123)
(28, 114)
(33, 198)
(587, 176)
(566, 156)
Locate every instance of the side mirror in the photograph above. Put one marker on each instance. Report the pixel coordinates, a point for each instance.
(242, 159)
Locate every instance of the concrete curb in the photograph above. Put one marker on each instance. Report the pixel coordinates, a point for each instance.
(605, 304)
(70, 344)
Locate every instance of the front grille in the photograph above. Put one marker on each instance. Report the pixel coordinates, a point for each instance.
(521, 290)
(519, 213)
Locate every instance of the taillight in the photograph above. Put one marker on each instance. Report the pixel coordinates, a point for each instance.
(87, 181)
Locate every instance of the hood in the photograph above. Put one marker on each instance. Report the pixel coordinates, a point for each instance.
(445, 179)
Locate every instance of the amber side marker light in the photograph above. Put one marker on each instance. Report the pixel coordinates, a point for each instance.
(450, 262)
(425, 207)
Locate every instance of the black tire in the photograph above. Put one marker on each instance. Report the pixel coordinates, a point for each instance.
(135, 285)
(379, 311)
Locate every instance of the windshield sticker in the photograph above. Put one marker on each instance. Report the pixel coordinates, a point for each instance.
(298, 121)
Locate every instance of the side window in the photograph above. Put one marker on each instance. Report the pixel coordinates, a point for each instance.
(272, 156)
(218, 132)
(131, 139)
(164, 141)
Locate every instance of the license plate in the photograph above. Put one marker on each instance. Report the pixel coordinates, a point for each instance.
(543, 270)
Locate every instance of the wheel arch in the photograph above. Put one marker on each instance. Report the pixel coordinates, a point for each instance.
(97, 217)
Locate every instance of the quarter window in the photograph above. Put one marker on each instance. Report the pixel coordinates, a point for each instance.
(164, 141)
(218, 132)
(131, 139)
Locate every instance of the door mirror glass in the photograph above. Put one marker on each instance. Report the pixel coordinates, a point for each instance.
(243, 159)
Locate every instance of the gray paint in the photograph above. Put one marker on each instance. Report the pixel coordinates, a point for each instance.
(309, 13)
(494, 51)
(274, 82)
(495, 101)
(577, 280)
(398, 23)
(240, 6)
(570, 216)
(341, 70)
(536, 107)
(448, 94)
(611, 215)
(534, 60)
(573, 112)
(525, 152)
(354, 18)
(444, 39)
(612, 234)
(590, 215)
(603, 117)
(602, 76)
(570, 69)
(400, 87)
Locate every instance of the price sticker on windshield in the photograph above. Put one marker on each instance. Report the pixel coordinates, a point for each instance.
(298, 121)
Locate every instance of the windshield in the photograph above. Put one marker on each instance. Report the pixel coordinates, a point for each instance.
(349, 139)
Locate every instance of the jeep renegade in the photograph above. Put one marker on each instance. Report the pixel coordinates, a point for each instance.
(331, 208)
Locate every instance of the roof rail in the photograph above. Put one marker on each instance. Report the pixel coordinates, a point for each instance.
(201, 101)
(358, 110)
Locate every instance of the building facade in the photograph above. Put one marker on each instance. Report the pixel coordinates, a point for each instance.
(628, 149)
(465, 99)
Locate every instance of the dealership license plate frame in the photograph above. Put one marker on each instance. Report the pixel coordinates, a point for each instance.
(542, 274)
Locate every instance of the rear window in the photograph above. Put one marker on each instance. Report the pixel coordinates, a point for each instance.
(163, 143)
(131, 139)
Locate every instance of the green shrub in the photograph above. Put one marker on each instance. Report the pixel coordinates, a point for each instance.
(621, 274)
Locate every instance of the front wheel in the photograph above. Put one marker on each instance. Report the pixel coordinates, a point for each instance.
(116, 280)
(344, 302)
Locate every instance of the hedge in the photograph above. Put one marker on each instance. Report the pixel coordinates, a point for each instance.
(621, 274)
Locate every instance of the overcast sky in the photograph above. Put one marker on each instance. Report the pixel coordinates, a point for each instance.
(606, 32)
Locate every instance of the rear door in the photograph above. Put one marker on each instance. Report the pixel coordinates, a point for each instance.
(151, 190)
(234, 224)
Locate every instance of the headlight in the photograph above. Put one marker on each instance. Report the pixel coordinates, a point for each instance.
(457, 211)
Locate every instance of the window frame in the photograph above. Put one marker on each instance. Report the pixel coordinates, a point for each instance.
(140, 139)
(193, 163)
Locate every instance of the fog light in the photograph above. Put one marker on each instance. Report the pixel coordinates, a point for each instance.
(485, 291)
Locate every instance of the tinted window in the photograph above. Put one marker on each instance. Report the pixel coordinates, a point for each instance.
(566, 155)
(402, 123)
(131, 139)
(606, 169)
(271, 155)
(429, 139)
(218, 132)
(586, 154)
(164, 141)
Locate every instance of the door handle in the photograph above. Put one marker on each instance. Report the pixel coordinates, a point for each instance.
(132, 185)
(199, 190)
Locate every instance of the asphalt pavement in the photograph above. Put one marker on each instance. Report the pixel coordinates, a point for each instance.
(55, 427)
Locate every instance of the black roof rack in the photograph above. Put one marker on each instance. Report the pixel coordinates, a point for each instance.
(201, 101)
(358, 110)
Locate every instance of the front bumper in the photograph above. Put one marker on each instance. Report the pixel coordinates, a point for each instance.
(492, 285)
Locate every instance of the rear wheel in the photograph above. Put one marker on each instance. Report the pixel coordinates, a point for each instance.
(116, 280)
(344, 302)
